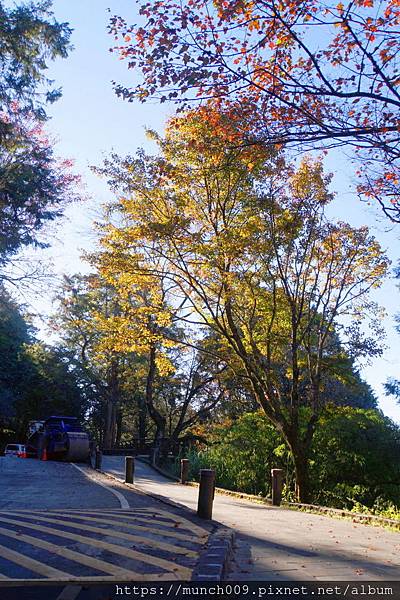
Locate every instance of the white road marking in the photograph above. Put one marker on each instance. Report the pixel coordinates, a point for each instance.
(122, 500)
(70, 592)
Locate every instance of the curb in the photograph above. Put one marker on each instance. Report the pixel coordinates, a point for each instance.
(214, 561)
(363, 518)
(338, 513)
(218, 490)
(367, 519)
(158, 469)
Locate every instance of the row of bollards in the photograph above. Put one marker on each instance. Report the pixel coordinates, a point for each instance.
(207, 490)
(206, 486)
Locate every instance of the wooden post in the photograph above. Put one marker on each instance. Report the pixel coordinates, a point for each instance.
(206, 493)
(129, 469)
(184, 470)
(98, 459)
(277, 485)
(92, 454)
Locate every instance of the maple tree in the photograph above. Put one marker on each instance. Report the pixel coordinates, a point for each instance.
(135, 383)
(201, 392)
(138, 326)
(78, 300)
(302, 73)
(87, 307)
(240, 242)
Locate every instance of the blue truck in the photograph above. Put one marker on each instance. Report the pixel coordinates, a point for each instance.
(58, 438)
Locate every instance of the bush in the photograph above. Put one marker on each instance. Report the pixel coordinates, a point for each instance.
(355, 458)
(243, 454)
(354, 461)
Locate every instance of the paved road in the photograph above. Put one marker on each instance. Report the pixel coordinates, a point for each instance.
(35, 484)
(281, 544)
(61, 523)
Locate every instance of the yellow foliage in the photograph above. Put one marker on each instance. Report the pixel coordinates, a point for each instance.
(234, 239)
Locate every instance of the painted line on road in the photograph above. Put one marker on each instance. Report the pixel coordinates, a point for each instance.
(31, 564)
(138, 514)
(195, 530)
(122, 500)
(171, 532)
(156, 512)
(70, 592)
(116, 534)
(88, 561)
(6, 581)
(179, 519)
(114, 548)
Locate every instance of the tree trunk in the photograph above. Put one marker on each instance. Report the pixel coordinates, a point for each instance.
(142, 421)
(300, 457)
(118, 427)
(155, 415)
(299, 448)
(110, 426)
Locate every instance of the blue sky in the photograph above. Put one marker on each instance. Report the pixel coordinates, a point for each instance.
(90, 121)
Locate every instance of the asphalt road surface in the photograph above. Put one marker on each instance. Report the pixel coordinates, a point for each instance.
(61, 523)
(34, 484)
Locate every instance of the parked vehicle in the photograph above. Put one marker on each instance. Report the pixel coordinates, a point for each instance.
(15, 450)
(58, 438)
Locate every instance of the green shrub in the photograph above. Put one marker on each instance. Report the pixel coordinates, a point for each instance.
(354, 460)
(243, 454)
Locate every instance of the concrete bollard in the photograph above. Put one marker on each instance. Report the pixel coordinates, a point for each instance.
(184, 470)
(277, 485)
(154, 457)
(129, 469)
(206, 493)
(92, 452)
(98, 459)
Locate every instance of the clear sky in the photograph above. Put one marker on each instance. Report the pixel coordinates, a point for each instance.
(90, 121)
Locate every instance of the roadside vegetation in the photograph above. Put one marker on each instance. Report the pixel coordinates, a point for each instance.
(354, 459)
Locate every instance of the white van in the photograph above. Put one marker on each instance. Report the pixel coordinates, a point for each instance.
(15, 450)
